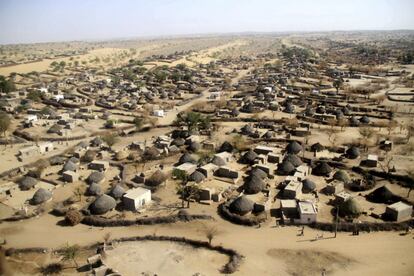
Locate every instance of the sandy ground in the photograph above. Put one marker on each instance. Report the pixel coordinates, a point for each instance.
(132, 258)
(384, 253)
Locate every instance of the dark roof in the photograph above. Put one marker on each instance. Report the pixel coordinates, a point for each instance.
(364, 119)
(308, 186)
(253, 185)
(102, 204)
(196, 176)
(350, 208)
(194, 146)
(218, 161)
(70, 166)
(383, 195)
(322, 169)
(352, 152)
(226, 146)
(186, 158)
(293, 147)
(318, 147)
(94, 190)
(117, 192)
(41, 195)
(178, 142)
(285, 168)
(27, 182)
(95, 177)
(241, 205)
(249, 157)
(293, 159)
(342, 175)
(258, 172)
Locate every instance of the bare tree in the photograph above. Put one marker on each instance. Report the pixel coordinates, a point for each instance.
(366, 133)
(210, 231)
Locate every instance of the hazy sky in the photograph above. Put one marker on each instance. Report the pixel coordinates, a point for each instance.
(57, 20)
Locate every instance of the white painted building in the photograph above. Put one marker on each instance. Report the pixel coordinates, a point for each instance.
(159, 113)
(136, 198)
(307, 212)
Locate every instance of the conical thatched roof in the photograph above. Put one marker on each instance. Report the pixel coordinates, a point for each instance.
(95, 177)
(156, 179)
(55, 129)
(317, 147)
(196, 176)
(70, 166)
(364, 119)
(117, 192)
(178, 142)
(27, 182)
(194, 146)
(290, 108)
(268, 135)
(258, 172)
(308, 186)
(322, 169)
(309, 111)
(57, 160)
(253, 185)
(226, 146)
(241, 206)
(285, 168)
(94, 189)
(352, 152)
(383, 195)
(218, 161)
(96, 142)
(350, 208)
(249, 157)
(247, 129)
(342, 175)
(102, 204)
(293, 159)
(74, 160)
(186, 158)
(293, 147)
(353, 121)
(41, 195)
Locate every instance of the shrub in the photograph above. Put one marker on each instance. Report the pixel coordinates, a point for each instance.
(73, 217)
(52, 268)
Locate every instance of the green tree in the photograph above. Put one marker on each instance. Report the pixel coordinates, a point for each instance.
(70, 252)
(6, 85)
(34, 96)
(138, 122)
(337, 84)
(5, 123)
(110, 139)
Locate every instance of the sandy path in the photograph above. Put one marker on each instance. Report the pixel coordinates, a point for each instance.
(384, 253)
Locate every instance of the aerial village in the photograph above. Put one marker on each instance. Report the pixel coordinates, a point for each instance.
(302, 132)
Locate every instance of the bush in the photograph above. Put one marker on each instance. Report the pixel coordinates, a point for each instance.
(73, 217)
(52, 268)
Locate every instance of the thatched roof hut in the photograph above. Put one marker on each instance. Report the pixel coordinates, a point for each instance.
(56, 129)
(96, 142)
(156, 179)
(364, 119)
(317, 147)
(352, 152)
(308, 186)
(253, 185)
(74, 160)
(241, 206)
(194, 146)
(247, 129)
(226, 146)
(178, 142)
(186, 158)
(70, 166)
(293, 159)
(102, 204)
(285, 168)
(350, 208)
(152, 153)
(383, 195)
(197, 177)
(95, 177)
(218, 161)
(249, 157)
(117, 192)
(294, 147)
(322, 169)
(27, 182)
(57, 160)
(258, 172)
(342, 176)
(41, 196)
(94, 190)
(353, 121)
